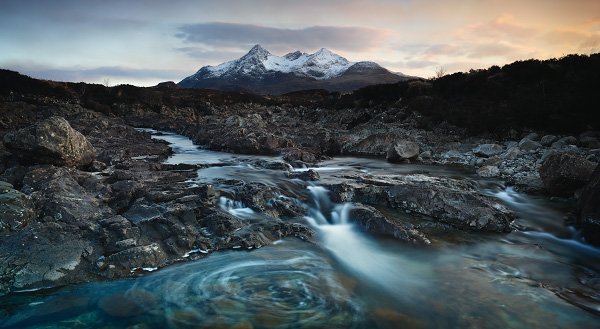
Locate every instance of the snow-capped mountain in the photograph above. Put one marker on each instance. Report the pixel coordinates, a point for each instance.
(262, 72)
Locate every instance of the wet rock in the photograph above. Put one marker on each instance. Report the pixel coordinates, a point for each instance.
(148, 256)
(488, 171)
(402, 151)
(16, 209)
(307, 175)
(446, 200)
(128, 303)
(590, 209)
(299, 158)
(51, 141)
(563, 173)
(375, 222)
(527, 144)
(54, 255)
(487, 150)
(548, 140)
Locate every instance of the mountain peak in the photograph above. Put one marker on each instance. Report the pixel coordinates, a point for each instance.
(261, 68)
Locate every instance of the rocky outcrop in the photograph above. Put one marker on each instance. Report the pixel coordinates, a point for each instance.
(445, 200)
(590, 209)
(51, 141)
(564, 172)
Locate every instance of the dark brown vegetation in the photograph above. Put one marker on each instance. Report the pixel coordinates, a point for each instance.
(556, 96)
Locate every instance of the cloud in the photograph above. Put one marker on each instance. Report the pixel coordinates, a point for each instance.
(116, 74)
(503, 26)
(345, 38)
(495, 49)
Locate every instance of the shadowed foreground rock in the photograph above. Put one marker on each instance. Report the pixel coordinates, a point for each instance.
(590, 209)
(51, 141)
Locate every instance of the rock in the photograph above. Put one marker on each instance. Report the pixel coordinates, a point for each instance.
(488, 171)
(487, 150)
(54, 255)
(512, 153)
(375, 222)
(446, 200)
(548, 140)
(299, 158)
(589, 142)
(568, 140)
(590, 209)
(402, 151)
(16, 208)
(563, 173)
(532, 136)
(51, 141)
(128, 303)
(307, 175)
(527, 144)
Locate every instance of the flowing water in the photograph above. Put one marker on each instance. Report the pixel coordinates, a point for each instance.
(541, 276)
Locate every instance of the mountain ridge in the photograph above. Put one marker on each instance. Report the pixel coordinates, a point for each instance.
(261, 72)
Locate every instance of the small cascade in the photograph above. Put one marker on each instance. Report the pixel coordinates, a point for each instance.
(236, 208)
(358, 252)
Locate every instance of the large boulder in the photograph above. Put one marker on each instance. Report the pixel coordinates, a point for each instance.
(51, 141)
(564, 173)
(590, 209)
(402, 151)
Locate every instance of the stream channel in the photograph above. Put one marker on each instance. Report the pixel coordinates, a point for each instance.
(538, 276)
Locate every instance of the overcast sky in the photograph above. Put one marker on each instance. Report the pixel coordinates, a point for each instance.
(143, 42)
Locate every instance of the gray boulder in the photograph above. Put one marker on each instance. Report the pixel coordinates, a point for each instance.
(402, 151)
(548, 140)
(563, 173)
(527, 144)
(51, 141)
(487, 150)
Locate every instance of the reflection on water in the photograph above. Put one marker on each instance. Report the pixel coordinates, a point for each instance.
(531, 278)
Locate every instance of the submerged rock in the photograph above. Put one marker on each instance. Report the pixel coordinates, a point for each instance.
(51, 141)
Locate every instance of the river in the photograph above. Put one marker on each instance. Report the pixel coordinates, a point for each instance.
(539, 276)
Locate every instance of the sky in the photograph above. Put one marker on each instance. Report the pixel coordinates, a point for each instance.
(144, 42)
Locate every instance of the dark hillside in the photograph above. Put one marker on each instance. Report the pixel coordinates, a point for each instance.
(556, 95)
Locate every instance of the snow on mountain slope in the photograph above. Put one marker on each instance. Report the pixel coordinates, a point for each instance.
(321, 65)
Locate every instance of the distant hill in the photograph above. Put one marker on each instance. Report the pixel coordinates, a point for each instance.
(261, 72)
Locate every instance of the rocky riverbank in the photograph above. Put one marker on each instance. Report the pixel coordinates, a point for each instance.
(85, 195)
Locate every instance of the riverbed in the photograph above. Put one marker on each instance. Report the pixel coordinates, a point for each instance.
(541, 275)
